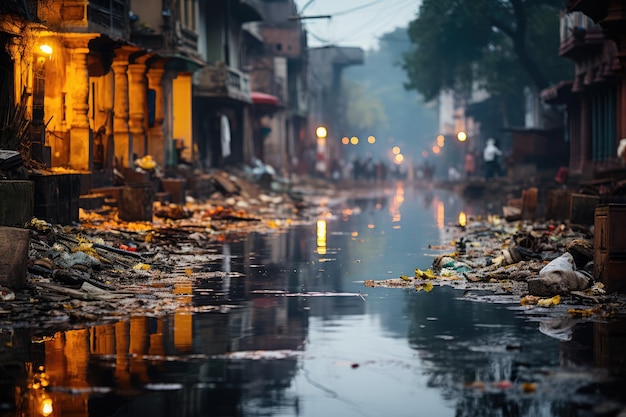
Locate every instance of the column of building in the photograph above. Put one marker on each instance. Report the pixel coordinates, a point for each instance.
(121, 130)
(78, 85)
(156, 136)
(137, 89)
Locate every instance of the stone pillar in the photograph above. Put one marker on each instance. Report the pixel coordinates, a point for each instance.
(80, 133)
(156, 136)
(168, 116)
(137, 91)
(122, 136)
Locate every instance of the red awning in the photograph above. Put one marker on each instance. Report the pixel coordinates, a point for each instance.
(264, 98)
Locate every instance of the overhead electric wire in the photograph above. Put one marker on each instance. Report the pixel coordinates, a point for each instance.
(372, 19)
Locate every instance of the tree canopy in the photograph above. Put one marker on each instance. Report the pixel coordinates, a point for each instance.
(500, 46)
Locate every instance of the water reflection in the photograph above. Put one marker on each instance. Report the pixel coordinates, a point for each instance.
(266, 345)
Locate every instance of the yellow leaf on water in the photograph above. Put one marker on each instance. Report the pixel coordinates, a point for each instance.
(548, 302)
(405, 278)
(428, 287)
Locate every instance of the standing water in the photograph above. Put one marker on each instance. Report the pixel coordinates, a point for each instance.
(282, 325)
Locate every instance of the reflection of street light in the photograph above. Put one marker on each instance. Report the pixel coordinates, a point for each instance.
(461, 136)
(321, 236)
(462, 219)
(46, 407)
(321, 132)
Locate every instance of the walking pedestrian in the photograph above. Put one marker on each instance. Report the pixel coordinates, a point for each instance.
(469, 165)
(490, 157)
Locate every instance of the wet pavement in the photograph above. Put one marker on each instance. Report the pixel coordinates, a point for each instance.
(280, 323)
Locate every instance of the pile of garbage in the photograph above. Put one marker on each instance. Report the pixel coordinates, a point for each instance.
(537, 265)
(104, 267)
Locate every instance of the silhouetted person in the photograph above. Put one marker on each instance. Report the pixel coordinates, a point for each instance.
(490, 157)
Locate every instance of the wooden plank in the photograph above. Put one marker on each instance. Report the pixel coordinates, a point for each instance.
(16, 202)
(14, 244)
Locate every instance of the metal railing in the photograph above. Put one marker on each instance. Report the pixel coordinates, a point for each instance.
(221, 80)
(109, 15)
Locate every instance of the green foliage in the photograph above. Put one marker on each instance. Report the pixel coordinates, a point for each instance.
(501, 46)
(364, 112)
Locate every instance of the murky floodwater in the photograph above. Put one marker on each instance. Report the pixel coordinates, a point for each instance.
(297, 334)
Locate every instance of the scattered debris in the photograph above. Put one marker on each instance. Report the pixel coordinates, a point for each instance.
(539, 265)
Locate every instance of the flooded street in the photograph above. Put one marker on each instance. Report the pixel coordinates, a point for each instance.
(296, 333)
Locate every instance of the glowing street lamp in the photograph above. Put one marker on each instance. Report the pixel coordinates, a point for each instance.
(45, 49)
(461, 136)
(371, 139)
(321, 132)
(441, 140)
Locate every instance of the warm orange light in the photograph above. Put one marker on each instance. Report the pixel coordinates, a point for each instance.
(345, 140)
(395, 150)
(321, 236)
(46, 407)
(371, 139)
(440, 214)
(45, 49)
(354, 140)
(461, 136)
(462, 219)
(398, 158)
(441, 141)
(436, 149)
(321, 132)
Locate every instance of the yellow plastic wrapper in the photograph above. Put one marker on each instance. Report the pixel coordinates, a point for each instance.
(428, 274)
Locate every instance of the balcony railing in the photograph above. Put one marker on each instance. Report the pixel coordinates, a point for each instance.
(109, 16)
(189, 40)
(219, 80)
(574, 22)
(580, 36)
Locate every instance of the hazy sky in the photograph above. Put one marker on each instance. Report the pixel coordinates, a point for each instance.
(355, 22)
